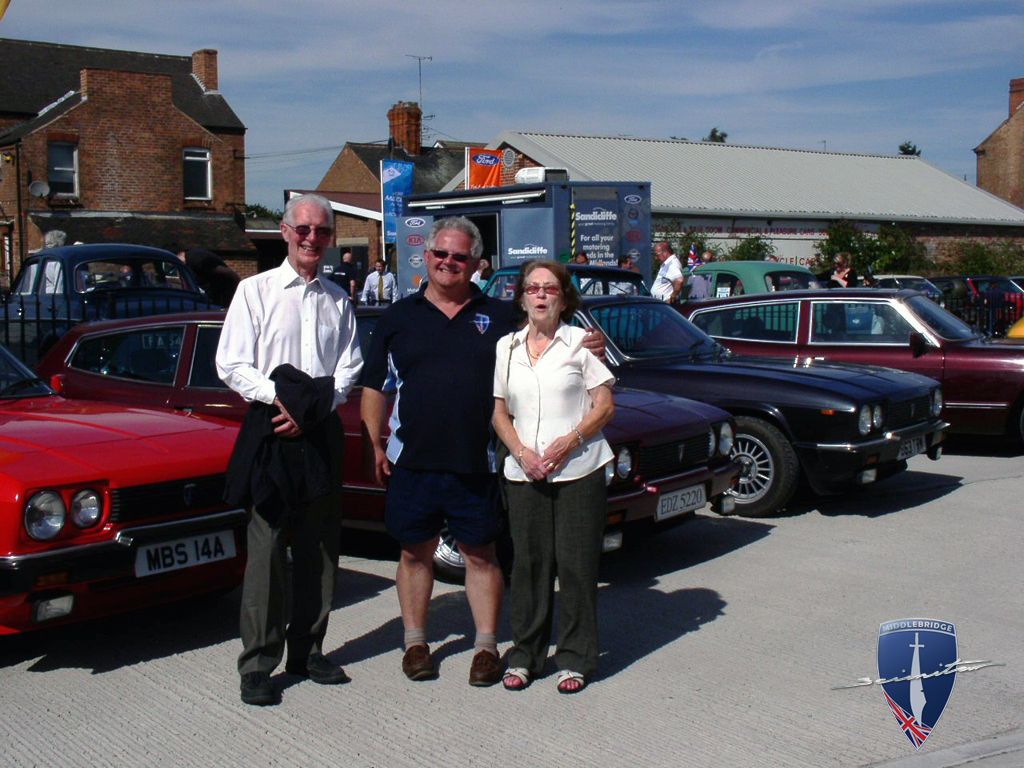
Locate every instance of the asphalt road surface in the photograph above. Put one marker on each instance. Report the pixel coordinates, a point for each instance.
(721, 640)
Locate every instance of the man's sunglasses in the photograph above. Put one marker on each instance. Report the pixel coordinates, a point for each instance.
(440, 255)
(303, 230)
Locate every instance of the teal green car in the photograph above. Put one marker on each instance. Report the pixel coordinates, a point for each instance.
(721, 279)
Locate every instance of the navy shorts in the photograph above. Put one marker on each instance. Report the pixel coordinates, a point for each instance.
(419, 503)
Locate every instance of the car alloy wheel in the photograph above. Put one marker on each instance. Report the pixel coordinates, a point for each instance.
(770, 470)
(448, 562)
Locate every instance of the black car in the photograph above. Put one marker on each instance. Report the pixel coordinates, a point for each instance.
(60, 287)
(834, 425)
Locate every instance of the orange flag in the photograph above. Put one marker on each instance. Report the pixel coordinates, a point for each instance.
(483, 168)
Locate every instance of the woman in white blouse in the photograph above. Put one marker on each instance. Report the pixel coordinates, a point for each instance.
(551, 399)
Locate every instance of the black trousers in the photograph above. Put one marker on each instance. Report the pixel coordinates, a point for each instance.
(556, 530)
(315, 538)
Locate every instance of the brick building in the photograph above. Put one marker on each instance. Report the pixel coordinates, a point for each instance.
(352, 182)
(118, 146)
(1001, 155)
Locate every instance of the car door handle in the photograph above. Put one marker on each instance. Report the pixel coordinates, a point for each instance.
(186, 408)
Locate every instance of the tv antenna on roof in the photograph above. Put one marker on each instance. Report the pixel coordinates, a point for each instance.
(419, 64)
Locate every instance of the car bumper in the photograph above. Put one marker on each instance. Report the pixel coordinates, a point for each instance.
(832, 467)
(100, 578)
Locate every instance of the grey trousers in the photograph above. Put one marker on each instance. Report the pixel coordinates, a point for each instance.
(556, 531)
(315, 538)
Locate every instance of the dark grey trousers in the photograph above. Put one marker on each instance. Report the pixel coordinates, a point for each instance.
(557, 530)
(315, 538)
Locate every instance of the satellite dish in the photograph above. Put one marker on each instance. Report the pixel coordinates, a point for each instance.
(39, 189)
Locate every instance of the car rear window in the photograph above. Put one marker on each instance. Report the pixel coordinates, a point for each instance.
(116, 274)
(143, 354)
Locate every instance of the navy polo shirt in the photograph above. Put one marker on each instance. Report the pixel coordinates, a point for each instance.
(444, 369)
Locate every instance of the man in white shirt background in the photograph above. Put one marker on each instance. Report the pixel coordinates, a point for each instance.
(380, 285)
(670, 278)
(289, 315)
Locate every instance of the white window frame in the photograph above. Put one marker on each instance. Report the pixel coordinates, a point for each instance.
(73, 169)
(198, 155)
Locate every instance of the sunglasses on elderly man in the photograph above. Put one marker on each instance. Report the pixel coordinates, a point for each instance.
(440, 255)
(303, 230)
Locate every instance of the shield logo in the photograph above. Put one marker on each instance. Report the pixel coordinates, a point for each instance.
(917, 663)
(482, 322)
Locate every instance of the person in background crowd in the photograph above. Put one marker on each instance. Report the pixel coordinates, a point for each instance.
(626, 262)
(380, 285)
(55, 238)
(670, 278)
(479, 278)
(708, 257)
(580, 258)
(842, 275)
(346, 275)
(559, 396)
(216, 279)
(289, 320)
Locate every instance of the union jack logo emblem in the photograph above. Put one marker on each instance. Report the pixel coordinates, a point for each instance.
(482, 322)
(915, 731)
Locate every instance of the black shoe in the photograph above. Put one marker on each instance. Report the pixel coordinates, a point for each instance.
(317, 668)
(257, 689)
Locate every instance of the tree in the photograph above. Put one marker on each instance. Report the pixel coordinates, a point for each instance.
(716, 135)
(909, 148)
(896, 251)
(892, 250)
(257, 211)
(753, 248)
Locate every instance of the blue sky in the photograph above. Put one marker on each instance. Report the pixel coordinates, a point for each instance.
(859, 76)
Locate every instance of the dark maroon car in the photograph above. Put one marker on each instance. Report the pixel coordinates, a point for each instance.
(672, 454)
(982, 380)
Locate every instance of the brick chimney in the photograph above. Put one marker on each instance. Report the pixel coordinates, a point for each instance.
(406, 120)
(204, 67)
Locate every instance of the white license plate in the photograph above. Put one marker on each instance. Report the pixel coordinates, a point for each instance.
(911, 447)
(677, 502)
(184, 553)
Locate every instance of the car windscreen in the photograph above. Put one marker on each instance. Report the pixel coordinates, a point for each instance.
(119, 274)
(790, 281)
(648, 330)
(18, 381)
(943, 323)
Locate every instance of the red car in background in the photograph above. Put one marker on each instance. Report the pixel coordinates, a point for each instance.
(672, 454)
(106, 508)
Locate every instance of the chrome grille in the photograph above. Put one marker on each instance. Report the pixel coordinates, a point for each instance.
(143, 502)
(909, 412)
(663, 460)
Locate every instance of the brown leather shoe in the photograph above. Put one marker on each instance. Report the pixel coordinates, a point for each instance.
(417, 664)
(486, 669)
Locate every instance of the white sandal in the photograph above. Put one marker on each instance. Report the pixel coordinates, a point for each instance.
(520, 674)
(565, 676)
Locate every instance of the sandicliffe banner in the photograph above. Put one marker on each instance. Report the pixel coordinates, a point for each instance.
(483, 168)
(395, 184)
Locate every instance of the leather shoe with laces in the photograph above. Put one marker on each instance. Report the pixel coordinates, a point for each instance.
(317, 668)
(486, 669)
(257, 689)
(417, 664)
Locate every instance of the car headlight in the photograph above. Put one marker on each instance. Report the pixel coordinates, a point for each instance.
(726, 437)
(609, 472)
(936, 402)
(45, 515)
(712, 441)
(877, 416)
(864, 419)
(86, 508)
(624, 463)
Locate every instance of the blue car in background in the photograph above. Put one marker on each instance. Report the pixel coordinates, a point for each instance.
(61, 287)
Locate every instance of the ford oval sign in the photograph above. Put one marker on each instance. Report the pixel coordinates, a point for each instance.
(483, 159)
(414, 240)
(632, 199)
(415, 222)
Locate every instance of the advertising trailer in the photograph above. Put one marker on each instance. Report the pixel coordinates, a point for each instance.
(523, 222)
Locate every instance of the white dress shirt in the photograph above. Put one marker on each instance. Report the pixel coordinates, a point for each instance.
(671, 270)
(370, 290)
(276, 317)
(549, 399)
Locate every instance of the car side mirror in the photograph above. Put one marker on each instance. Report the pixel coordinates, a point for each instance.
(918, 344)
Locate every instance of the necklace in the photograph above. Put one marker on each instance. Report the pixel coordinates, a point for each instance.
(530, 352)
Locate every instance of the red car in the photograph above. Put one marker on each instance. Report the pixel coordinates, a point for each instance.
(106, 508)
(982, 380)
(672, 454)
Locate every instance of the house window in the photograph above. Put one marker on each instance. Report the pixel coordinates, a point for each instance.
(197, 173)
(62, 168)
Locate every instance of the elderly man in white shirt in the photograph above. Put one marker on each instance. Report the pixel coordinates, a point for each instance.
(291, 315)
(380, 285)
(670, 278)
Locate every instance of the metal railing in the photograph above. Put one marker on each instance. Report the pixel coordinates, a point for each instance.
(989, 315)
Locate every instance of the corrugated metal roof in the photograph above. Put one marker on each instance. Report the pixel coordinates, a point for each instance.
(706, 178)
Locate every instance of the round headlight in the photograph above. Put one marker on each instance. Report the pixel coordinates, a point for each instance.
(86, 508)
(44, 515)
(624, 463)
(877, 416)
(936, 402)
(725, 439)
(864, 419)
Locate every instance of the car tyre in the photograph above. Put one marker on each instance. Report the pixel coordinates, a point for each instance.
(770, 468)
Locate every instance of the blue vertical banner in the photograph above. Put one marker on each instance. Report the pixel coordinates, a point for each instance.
(395, 184)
